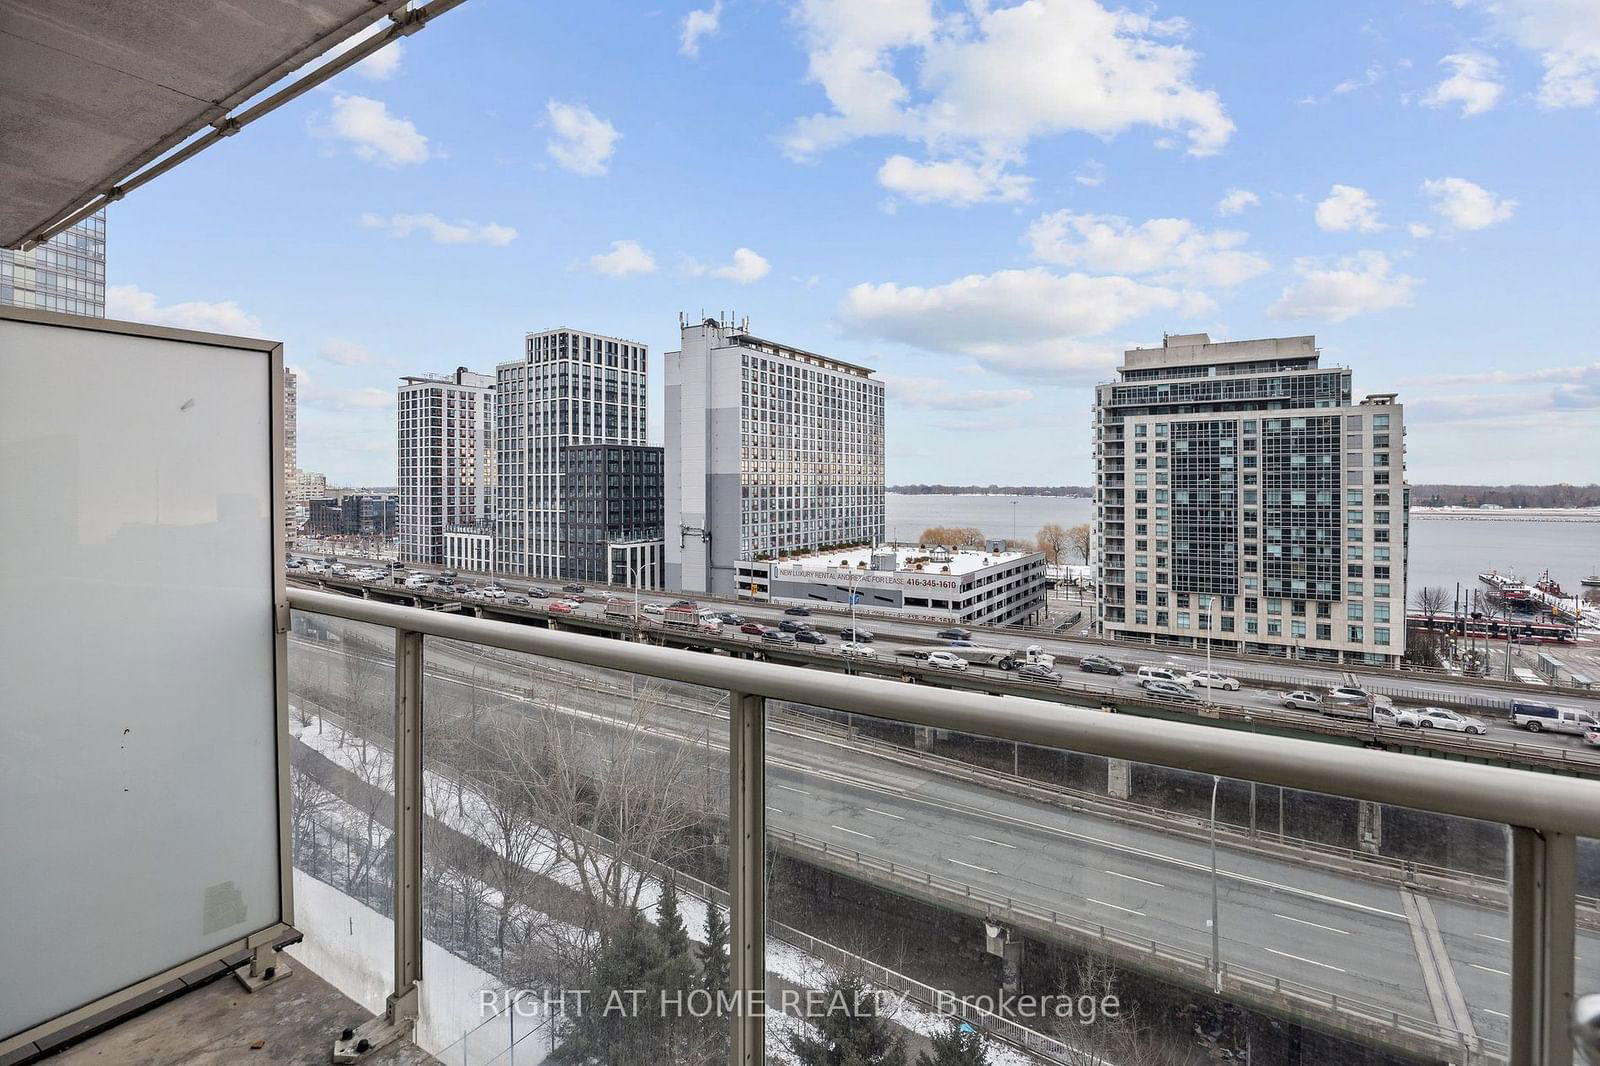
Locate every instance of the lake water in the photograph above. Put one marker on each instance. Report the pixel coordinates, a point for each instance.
(1444, 550)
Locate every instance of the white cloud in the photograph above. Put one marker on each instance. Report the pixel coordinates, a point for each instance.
(374, 134)
(936, 394)
(344, 353)
(1171, 250)
(1348, 208)
(1565, 34)
(1588, 372)
(1354, 285)
(952, 181)
(745, 268)
(1234, 201)
(583, 142)
(1092, 173)
(1474, 84)
(442, 232)
(1465, 205)
(697, 24)
(624, 258)
(990, 79)
(1016, 321)
(133, 304)
(380, 65)
(1419, 230)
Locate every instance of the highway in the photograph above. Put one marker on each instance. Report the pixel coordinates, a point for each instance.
(1262, 681)
(1356, 938)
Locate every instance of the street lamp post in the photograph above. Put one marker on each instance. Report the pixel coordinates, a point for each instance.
(1216, 936)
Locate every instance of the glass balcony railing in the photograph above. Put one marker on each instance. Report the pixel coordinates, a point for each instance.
(632, 853)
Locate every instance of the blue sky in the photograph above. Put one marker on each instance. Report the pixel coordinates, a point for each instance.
(986, 203)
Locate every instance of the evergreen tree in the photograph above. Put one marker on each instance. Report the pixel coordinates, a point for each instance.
(633, 959)
(714, 967)
(960, 1045)
(848, 1032)
(669, 923)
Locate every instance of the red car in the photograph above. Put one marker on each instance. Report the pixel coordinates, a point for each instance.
(755, 629)
(559, 608)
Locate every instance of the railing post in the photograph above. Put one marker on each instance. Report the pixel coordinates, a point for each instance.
(400, 1012)
(747, 884)
(1543, 920)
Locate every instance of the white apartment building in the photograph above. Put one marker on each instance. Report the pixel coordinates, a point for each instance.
(292, 516)
(569, 388)
(1244, 499)
(771, 451)
(968, 586)
(446, 459)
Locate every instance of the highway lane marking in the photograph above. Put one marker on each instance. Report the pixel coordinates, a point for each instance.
(996, 843)
(1314, 925)
(852, 832)
(969, 866)
(1489, 969)
(1130, 877)
(1313, 962)
(1496, 1013)
(886, 814)
(1116, 907)
(788, 788)
(773, 809)
(1496, 939)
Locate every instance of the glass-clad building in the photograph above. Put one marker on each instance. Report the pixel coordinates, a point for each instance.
(611, 513)
(66, 273)
(1245, 500)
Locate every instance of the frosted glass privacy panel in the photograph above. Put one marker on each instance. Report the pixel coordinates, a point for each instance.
(138, 722)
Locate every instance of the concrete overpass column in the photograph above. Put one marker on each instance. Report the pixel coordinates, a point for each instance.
(1369, 827)
(922, 737)
(1119, 778)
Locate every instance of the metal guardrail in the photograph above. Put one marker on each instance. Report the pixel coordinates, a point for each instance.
(1546, 813)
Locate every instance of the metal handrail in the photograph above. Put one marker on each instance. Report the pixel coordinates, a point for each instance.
(1494, 794)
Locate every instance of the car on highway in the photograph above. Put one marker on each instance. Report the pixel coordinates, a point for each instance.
(449, 575)
(954, 634)
(860, 651)
(945, 660)
(1348, 694)
(684, 603)
(789, 625)
(918, 654)
(1442, 718)
(797, 610)
(657, 609)
(1388, 714)
(572, 602)
(1162, 673)
(755, 629)
(856, 634)
(559, 607)
(962, 644)
(1099, 664)
(537, 593)
(418, 581)
(1169, 690)
(1302, 700)
(806, 636)
(494, 592)
(519, 601)
(1041, 674)
(1212, 679)
(1535, 717)
(732, 619)
(572, 588)
(774, 636)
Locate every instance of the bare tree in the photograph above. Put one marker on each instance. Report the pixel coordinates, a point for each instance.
(1431, 600)
(952, 537)
(1122, 1037)
(1078, 537)
(1053, 540)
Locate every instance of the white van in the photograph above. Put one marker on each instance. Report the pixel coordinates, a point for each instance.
(1161, 673)
(1535, 717)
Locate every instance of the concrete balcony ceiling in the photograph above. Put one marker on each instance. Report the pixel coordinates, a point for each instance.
(91, 92)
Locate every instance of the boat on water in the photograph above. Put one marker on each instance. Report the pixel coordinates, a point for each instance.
(1549, 586)
(1508, 588)
(1591, 582)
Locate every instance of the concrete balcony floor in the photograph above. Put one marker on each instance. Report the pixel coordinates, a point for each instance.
(296, 1020)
